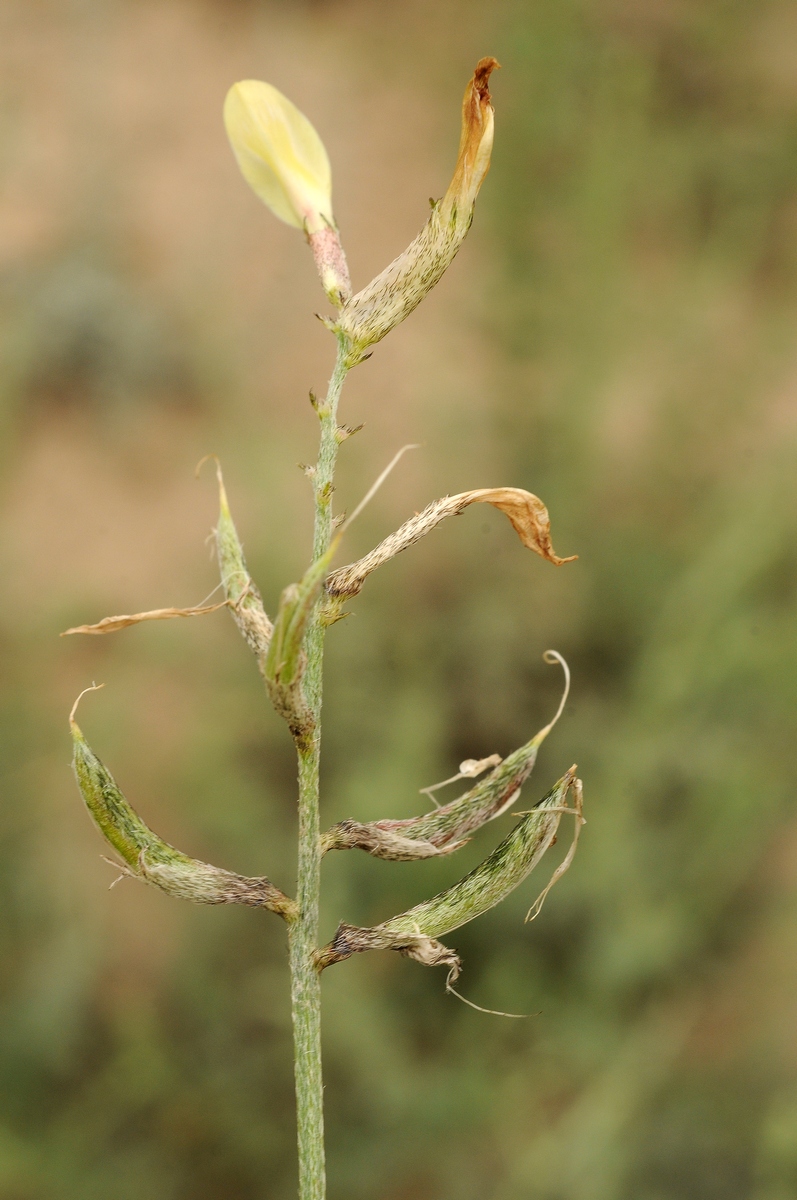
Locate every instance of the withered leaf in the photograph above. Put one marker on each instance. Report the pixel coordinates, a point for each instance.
(113, 624)
(528, 515)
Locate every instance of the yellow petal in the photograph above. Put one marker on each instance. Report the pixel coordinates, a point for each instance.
(280, 154)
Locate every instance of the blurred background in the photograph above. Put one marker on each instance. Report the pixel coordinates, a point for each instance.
(618, 336)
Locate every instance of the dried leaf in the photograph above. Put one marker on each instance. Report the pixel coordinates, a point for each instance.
(414, 933)
(113, 624)
(470, 768)
(382, 841)
(528, 515)
(147, 857)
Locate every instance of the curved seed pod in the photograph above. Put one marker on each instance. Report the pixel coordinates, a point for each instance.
(445, 829)
(149, 858)
(527, 513)
(243, 596)
(415, 932)
(393, 294)
(285, 661)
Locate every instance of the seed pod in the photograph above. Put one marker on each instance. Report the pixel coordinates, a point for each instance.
(527, 513)
(149, 858)
(414, 933)
(399, 289)
(285, 661)
(445, 829)
(242, 593)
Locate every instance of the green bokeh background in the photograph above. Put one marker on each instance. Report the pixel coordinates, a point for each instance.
(618, 336)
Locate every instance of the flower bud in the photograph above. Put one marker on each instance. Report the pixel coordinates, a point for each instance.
(394, 293)
(285, 163)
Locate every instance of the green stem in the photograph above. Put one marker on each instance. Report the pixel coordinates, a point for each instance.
(303, 930)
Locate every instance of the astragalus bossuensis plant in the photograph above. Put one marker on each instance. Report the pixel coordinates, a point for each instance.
(283, 159)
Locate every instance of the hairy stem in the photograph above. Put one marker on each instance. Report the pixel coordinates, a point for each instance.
(303, 930)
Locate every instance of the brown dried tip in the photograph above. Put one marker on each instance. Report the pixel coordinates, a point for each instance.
(481, 76)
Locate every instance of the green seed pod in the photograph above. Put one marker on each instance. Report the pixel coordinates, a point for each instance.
(414, 933)
(445, 829)
(245, 600)
(149, 858)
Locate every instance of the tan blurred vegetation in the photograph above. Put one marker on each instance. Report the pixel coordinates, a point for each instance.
(618, 336)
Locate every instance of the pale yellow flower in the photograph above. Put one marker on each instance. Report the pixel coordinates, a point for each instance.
(283, 160)
(281, 156)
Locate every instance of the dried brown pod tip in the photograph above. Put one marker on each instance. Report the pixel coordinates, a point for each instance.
(369, 315)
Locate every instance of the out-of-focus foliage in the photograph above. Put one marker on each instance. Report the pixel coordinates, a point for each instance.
(617, 336)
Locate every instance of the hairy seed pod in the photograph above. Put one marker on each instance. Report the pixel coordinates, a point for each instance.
(393, 294)
(245, 599)
(526, 512)
(446, 828)
(149, 858)
(415, 932)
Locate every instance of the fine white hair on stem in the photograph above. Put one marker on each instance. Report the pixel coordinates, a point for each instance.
(221, 584)
(491, 1012)
(553, 656)
(469, 769)
(369, 495)
(564, 865)
(124, 872)
(95, 687)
